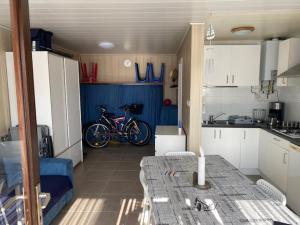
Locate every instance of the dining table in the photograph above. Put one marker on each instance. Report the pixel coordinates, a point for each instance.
(232, 197)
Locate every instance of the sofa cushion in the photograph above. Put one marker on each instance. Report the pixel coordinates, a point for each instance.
(57, 186)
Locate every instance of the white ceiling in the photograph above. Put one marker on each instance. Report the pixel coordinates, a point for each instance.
(155, 26)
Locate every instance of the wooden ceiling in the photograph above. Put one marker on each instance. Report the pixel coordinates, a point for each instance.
(155, 26)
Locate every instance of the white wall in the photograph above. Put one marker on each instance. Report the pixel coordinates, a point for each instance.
(240, 101)
(5, 45)
(291, 97)
(232, 101)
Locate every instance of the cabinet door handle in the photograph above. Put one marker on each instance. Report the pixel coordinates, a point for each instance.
(276, 139)
(285, 155)
(220, 134)
(232, 79)
(215, 135)
(227, 79)
(244, 135)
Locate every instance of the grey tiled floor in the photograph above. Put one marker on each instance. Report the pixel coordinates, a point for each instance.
(107, 188)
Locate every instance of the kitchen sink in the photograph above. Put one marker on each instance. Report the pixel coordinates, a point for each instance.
(217, 122)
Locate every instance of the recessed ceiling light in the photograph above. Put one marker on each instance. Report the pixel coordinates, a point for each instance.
(106, 45)
(242, 30)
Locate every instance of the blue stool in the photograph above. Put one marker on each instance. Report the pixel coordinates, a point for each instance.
(159, 79)
(138, 78)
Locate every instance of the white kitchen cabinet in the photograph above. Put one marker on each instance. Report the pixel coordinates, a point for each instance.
(265, 154)
(289, 56)
(233, 145)
(168, 139)
(279, 165)
(217, 65)
(245, 65)
(293, 187)
(273, 159)
(249, 151)
(211, 143)
(231, 65)
(56, 87)
(230, 145)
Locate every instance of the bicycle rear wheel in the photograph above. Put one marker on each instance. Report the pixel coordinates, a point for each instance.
(139, 133)
(97, 135)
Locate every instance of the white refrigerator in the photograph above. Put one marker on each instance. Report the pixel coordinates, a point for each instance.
(293, 187)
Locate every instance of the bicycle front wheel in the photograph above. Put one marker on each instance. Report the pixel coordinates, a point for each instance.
(97, 136)
(139, 133)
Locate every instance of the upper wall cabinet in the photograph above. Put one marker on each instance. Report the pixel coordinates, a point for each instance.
(231, 65)
(289, 56)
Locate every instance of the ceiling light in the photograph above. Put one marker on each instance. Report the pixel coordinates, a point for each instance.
(242, 30)
(106, 45)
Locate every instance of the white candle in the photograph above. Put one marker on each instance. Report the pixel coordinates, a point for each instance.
(201, 170)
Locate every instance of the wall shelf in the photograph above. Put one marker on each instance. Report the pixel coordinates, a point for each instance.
(122, 83)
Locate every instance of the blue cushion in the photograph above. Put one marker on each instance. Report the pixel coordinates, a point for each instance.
(57, 186)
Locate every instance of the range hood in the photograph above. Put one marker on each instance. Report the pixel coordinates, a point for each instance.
(292, 72)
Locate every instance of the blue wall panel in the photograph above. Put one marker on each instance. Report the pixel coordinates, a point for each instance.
(113, 96)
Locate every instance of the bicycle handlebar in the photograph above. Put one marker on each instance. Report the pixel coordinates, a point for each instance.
(125, 107)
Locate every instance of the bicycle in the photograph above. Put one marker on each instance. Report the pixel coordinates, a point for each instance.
(135, 131)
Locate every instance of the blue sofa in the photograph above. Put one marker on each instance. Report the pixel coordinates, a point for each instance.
(56, 178)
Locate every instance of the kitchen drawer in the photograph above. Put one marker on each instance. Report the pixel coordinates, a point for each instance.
(280, 142)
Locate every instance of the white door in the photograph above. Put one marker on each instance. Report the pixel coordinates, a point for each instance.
(58, 103)
(293, 197)
(265, 154)
(210, 141)
(230, 145)
(217, 65)
(249, 149)
(73, 100)
(245, 65)
(279, 166)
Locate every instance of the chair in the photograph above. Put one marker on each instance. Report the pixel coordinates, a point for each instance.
(272, 191)
(146, 208)
(180, 154)
(143, 182)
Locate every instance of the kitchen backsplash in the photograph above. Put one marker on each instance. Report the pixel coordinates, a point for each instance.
(240, 101)
(291, 97)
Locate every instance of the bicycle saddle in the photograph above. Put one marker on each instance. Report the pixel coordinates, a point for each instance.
(101, 107)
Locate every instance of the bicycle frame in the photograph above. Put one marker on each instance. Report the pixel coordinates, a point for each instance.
(117, 125)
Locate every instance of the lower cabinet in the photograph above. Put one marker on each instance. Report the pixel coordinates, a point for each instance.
(249, 151)
(273, 159)
(239, 146)
(230, 145)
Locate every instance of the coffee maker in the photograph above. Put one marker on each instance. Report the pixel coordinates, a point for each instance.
(276, 112)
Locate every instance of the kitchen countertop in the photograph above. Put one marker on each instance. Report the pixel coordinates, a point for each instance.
(266, 127)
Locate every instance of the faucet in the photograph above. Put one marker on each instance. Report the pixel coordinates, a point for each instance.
(213, 118)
